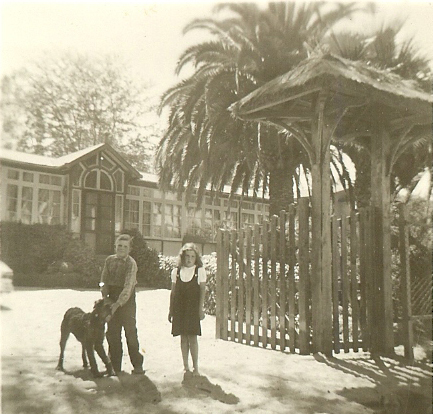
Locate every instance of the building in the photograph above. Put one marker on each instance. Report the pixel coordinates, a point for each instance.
(96, 194)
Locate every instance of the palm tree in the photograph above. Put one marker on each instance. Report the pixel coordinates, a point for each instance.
(382, 50)
(203, 145)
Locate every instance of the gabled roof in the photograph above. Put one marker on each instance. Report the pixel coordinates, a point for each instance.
(66, 161)
(314, 73)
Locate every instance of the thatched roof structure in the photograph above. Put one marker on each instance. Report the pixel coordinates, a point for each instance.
(354, 88)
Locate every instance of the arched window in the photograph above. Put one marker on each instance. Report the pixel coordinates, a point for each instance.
(91, 180)
(105, 182)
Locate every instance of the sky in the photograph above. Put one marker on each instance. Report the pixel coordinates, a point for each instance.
(146, 35)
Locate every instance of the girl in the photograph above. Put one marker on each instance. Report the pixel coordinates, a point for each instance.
(186, 302)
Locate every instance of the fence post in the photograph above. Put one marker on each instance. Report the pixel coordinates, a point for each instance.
(336, 283)
(218, 287)
(248, 286)
(273, 282)
(291, 277)
(233, 241)
(405, 284)
(256, 284)
(282, 314)
(304, 277)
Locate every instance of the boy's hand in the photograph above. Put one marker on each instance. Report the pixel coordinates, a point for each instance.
(201, 314)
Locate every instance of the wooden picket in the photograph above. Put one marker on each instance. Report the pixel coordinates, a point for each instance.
(264, 282)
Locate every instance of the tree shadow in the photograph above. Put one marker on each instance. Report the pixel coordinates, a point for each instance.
(199, 385)
(401, 386)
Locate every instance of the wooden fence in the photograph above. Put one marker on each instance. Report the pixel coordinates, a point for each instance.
(263, 293)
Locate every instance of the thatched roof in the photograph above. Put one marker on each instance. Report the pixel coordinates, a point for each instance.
(336, 75)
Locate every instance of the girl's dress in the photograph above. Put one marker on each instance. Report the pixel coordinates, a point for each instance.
(186, 318)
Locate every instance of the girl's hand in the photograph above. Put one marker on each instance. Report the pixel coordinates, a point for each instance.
(202, 314)
(169, 317)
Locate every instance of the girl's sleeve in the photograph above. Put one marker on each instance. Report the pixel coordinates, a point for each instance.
(201, 275)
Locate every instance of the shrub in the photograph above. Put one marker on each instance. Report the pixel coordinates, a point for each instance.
(149, 272)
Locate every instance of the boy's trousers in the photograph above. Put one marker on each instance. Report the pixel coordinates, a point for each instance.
(124, 317)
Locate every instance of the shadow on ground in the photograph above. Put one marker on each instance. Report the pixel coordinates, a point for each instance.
(401, 386)
(201, 385)
(140, 387)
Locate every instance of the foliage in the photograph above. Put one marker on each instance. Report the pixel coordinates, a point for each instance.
(204, 145)
(61, 105)
(149, 272)
(38, 249)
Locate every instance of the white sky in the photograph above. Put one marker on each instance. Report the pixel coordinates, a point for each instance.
(147, 35)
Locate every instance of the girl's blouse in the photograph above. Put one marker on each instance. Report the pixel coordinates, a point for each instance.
(187, 273)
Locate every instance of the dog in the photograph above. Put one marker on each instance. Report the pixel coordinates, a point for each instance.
(89, 329)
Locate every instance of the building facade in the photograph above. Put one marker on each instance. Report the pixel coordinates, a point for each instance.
(96, 194)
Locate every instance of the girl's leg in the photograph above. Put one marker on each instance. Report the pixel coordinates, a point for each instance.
(193, 346)
(184, 346)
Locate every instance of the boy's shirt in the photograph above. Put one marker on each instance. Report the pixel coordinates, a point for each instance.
(120, 272)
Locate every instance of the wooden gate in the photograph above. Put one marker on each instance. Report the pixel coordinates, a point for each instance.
(263, 292)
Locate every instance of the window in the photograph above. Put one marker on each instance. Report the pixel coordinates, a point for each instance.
(172, 220)
(105, 182)
(211, 223)
(132, 214)
(194, 221)
(91, 179)
(76, 202)
(12, 202)
(118, 213)
(231, 220)
(157, 219)
(147, 215)
(26, 204)
(118, 178)
(93, 160)
(13, 174)
(248, 219)
(134, 190)
(49, 206)
(106, 162)
(28, 177)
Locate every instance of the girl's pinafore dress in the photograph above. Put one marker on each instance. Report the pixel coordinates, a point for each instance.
(186, 318)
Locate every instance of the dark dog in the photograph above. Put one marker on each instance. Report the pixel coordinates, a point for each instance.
(89, 329)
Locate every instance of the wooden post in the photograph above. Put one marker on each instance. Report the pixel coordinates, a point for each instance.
(354, 278)
(336, 283)
(273, 282)
(291, 279)
(264, 285)
(241, 287)
(383, 340)
(225, 283)
(345, 280)
(405, 284)
(304, 277)
(233, 286)
(282, 314)
(218, 287)
(321, 230)
(248, 286)
(256, 284)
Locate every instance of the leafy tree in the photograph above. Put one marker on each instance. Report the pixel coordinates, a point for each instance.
(61, 105)
(203, 144)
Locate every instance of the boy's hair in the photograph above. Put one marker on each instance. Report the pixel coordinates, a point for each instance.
(184, 249)
(124, 237)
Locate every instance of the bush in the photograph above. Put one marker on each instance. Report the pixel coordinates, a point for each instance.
(149, 272)
(48, 256)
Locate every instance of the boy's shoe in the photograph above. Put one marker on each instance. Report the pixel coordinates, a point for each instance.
(138, 371)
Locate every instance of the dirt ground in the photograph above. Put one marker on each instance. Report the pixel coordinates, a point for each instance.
(235, 378)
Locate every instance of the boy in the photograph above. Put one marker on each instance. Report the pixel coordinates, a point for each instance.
(118, 281)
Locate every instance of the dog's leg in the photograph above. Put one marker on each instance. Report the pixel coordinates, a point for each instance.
(83, 356)
(64, 335)
(93, 365)
(99, 348)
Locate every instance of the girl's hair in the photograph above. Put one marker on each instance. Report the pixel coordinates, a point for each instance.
(184, 249)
